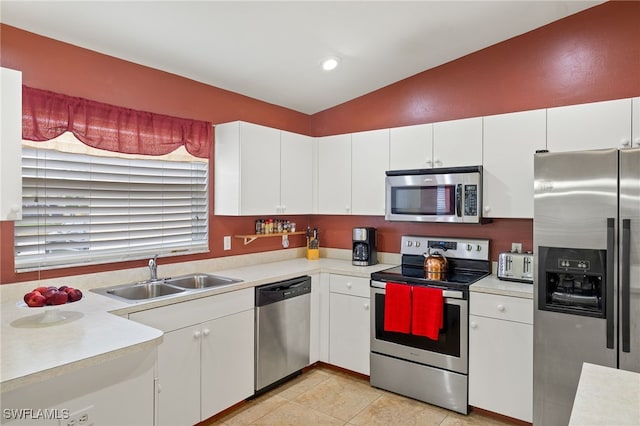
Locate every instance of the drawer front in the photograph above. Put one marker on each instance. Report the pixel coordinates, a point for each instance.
(184, 314)
(501, 307)
(344, 284)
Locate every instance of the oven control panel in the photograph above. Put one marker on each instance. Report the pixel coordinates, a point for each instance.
(460, 248)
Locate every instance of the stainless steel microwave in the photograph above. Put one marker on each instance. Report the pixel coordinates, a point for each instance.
(451, 195)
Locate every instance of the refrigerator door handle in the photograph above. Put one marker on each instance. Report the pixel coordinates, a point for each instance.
(625, 285)
(611, 227)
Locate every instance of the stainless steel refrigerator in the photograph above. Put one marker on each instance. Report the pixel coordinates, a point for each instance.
(587, 286)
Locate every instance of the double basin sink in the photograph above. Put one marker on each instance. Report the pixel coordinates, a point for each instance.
(153, 289)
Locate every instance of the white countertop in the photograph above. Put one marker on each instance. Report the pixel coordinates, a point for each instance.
(91, 333)
(493, 285)
(606, 396)
(96, 328)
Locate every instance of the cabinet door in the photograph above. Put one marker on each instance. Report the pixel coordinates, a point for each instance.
(501, 366)
(369, 162)
(410, 147)
(296, 173)
(10, 144)
(260, 169)
(589, 126)
(334, 174)
(227, 362)
(349, 320)
(457, 143)
(179, 377)
(509, 144)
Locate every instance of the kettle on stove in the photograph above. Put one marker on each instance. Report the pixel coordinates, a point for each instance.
(435, 264)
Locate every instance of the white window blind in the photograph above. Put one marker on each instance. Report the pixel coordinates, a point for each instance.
(82, 209)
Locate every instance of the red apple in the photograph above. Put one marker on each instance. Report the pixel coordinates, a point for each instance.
(41, 289)
(63, 288)
(57, 298)
(74, 294)
(35, 299)
(49, 292)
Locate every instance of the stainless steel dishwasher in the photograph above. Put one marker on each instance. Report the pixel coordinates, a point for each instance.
(282, 331)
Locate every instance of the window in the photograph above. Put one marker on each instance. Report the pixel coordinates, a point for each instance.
(83, 208)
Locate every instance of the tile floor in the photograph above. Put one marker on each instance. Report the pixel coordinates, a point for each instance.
(323, 396)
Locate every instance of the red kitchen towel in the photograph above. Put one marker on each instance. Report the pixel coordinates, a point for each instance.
(397, 308)
(426, 312)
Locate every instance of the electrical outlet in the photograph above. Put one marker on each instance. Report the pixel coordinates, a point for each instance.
(79, 418)
(227, 242)
(516, 247)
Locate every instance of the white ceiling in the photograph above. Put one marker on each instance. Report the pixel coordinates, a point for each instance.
(272, 50)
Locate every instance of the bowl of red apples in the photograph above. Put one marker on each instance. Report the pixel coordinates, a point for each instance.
(51, 296)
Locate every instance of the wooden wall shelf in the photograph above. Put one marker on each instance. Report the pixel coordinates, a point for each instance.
(249, 238)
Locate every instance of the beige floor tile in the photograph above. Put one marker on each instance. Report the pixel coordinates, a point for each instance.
(302, 383)
(473, 419)
(339, 397)
(295, 414)
(252, 410)
(392, 410)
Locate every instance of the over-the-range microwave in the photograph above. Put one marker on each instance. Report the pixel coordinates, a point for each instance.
(451, 195)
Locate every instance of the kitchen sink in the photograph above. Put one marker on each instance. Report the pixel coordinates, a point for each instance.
(198, 281)
(144, 290)
(153, 289)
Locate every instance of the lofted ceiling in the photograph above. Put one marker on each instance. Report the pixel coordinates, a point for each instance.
(272, 50)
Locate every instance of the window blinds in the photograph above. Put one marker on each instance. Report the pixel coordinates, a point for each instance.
(81, 209)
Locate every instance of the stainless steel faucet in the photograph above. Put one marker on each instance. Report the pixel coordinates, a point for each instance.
(153, 268)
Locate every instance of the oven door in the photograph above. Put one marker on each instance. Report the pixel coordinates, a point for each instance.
(449, 352)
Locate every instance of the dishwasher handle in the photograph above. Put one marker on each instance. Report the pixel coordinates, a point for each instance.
(282, 290)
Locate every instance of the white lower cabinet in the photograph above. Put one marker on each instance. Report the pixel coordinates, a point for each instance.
(501, 355)
(206, 360)
(117, 392)
(349, 322)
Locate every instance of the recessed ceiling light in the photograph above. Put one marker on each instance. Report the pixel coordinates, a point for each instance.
(330, 63)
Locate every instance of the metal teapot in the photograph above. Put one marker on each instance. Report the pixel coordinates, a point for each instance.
(435, 264)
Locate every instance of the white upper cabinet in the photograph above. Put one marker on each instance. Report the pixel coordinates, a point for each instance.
(411, 147)
(589, 126)
(10, 144)
(457, 143)
(296, 173)
(509, 144)
(261, 170)
(635, 123)
(334, 174)
(369, 162)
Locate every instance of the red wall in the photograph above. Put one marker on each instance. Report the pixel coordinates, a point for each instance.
(590, 56)
(586, 57)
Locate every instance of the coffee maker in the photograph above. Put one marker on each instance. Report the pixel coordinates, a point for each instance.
(364, 247)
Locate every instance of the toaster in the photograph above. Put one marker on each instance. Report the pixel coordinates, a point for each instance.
(516, 267)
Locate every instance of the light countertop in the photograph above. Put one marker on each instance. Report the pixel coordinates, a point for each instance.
(606, 396)
(96, 328)
(493, 285)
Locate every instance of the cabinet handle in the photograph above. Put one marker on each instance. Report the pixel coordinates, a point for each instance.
(196, 334)
(429, 163)
(487, 209)
(206, 332)
(438, 162)
(347, 209)
(637, 141)
(366, 306)
(474, 325)
(348, 285)
(501, 308)
(625, 143)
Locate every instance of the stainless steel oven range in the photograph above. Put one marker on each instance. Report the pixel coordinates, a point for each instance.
(429, 370)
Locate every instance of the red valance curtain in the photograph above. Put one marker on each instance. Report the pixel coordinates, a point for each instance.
(46, 115)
